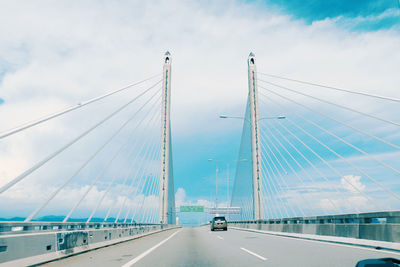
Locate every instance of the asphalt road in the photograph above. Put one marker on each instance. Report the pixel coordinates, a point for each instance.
(201, 247)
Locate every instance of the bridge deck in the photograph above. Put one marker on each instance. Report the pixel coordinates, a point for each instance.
(200, 247)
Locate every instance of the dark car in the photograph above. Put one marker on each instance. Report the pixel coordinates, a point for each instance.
(219, 223)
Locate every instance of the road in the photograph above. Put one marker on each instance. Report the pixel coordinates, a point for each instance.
(201, 247)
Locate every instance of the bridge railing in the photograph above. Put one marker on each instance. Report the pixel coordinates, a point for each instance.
(380, 226)
(7, 228)
(33, 243)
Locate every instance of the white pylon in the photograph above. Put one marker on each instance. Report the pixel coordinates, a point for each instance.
(165, 210)
(255, 139)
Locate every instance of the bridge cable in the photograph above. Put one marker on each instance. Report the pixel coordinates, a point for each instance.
(316, 154)
(117, 174)
(137, 178)
(333, 88)
(332, 103)
(131, 173)
(140, 173)
(274, 182)
(278, 196)
(129, 210)
(276, 171)
(351, 164)
(308, 174)
(149, 183)
(147, 180)
(30, 217)
(304, 170)
(335, 120)
(149, 194)
(67, 110)
(268, 190)
(153, 192)
(107, 165)
(307, 160)
(290, 166)
(343, 141)
(51, 156)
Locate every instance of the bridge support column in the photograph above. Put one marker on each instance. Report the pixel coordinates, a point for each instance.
(255, 139)
(167, 198)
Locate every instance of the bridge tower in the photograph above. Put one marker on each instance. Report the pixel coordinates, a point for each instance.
(255, 138)
(167, 197)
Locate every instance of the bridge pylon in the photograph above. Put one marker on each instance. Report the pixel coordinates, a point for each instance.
(167, 197)
(255, 138)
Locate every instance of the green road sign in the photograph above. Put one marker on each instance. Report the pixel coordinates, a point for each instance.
(191, 208)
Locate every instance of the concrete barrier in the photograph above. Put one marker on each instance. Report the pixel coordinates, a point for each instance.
(27, 246)
(379, 226)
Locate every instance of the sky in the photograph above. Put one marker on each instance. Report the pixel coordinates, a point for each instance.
(53, 55)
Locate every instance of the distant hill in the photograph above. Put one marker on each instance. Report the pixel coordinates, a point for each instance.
(13, 219)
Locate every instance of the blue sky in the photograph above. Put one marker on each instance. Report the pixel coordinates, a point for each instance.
(315, 10)
(350, 44)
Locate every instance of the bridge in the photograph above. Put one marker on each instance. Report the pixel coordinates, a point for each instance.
(314, 185)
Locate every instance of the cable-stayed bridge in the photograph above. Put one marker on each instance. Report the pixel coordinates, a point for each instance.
(316, 178)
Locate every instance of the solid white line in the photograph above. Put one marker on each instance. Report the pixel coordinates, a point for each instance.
(219, 237)
(144, 254)
(254, 254)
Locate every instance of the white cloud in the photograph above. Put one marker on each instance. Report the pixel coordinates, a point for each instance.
(352, 183)
(180, 196)
(181, 199)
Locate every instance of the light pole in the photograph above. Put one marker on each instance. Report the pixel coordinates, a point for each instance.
(216, 184)
(227, 179)
(243, 118)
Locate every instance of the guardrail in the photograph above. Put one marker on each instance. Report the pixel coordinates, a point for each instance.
(381, 226)
(37, 242)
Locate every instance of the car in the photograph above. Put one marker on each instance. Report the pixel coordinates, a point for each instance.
(384, 262)
(219, 223)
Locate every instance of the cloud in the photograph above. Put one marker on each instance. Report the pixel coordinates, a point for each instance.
(180, 196)
(181, 199)
(352, 183)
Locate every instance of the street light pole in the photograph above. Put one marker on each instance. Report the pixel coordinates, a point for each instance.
(227, 185)
(216, 186)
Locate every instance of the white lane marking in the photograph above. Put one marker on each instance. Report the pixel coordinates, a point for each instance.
(144, 254)
(254, 254)
(219, 237)
(330, 243)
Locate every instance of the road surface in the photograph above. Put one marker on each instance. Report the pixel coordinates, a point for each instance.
(201, 247)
